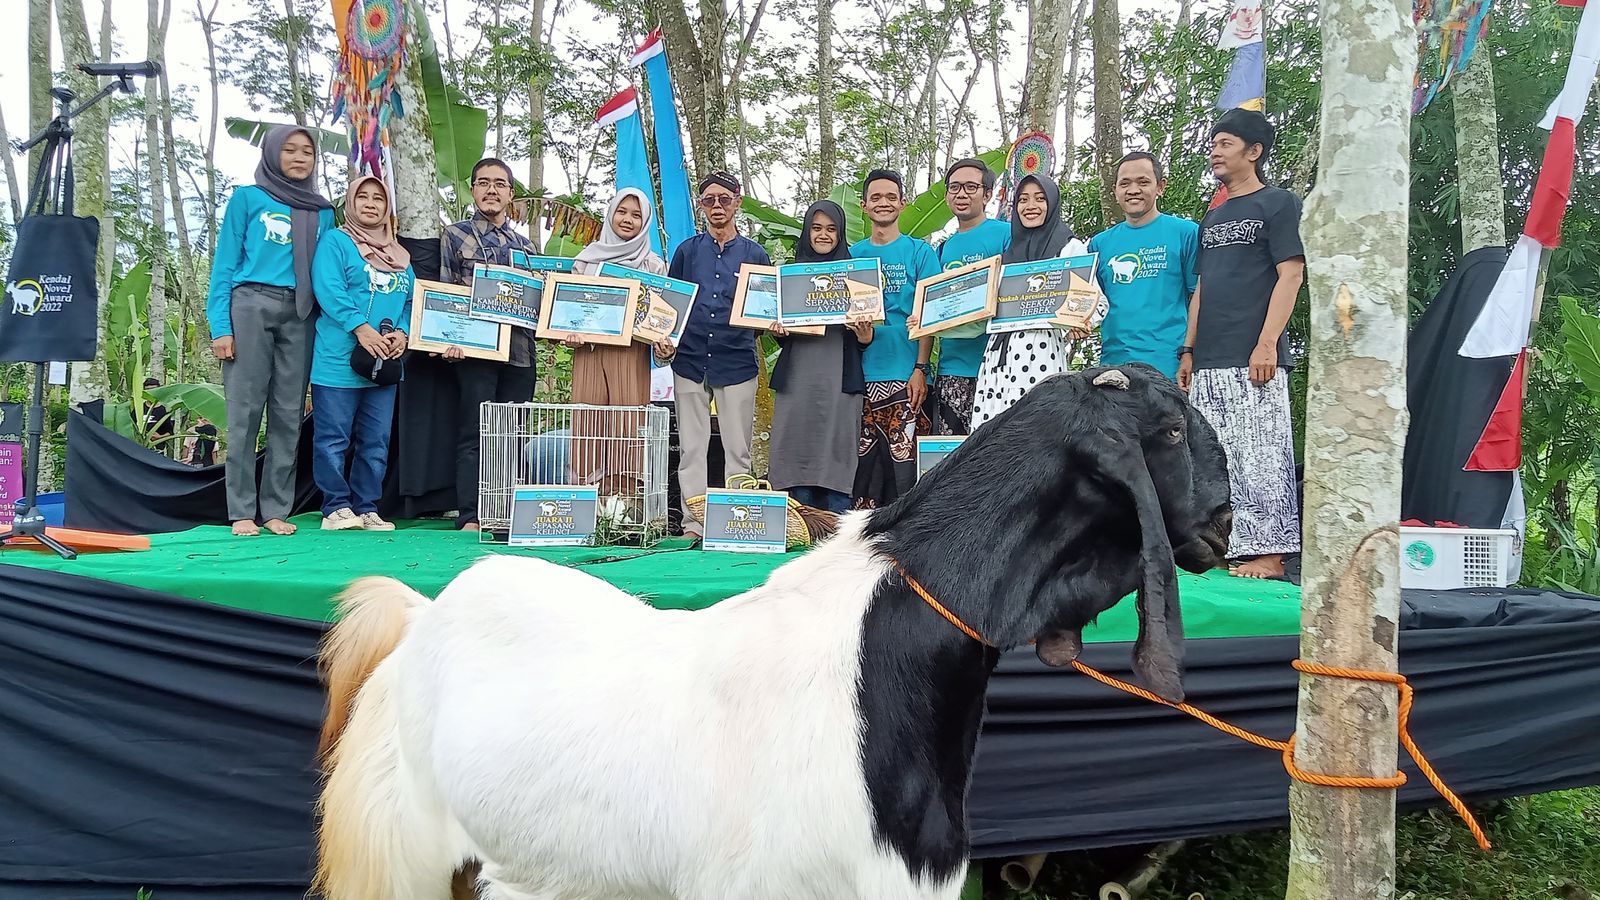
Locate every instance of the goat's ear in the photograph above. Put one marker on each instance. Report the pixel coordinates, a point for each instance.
(1158, 653)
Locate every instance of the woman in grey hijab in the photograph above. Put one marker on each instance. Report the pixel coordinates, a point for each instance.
(260, 307)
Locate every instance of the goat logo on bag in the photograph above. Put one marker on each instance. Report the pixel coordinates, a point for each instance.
(25, 295)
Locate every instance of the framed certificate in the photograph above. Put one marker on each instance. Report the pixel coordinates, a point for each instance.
(664, 303)
(830, 293)
(441, 318)
(504, 294)
(599, 310)
(955, 298)
(930, 450)
(755, 301)
(553, 515)
(1034, 294)
(534, 263)
(746, 521)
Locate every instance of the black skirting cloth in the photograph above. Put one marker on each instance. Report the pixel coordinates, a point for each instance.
(160, 742)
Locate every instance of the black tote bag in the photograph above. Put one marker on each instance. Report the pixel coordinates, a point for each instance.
(49, 308)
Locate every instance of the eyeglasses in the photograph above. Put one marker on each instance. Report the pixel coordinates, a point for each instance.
(962, 188)
(499, 184)
(711, 201)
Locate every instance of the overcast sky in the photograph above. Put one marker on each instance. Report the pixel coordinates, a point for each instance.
(186, 63)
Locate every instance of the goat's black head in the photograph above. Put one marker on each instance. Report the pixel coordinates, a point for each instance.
(1091, 487)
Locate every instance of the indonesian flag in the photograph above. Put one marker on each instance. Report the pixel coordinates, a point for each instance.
(623, 105)
(1554, 187)
(1574, 94)
(1499, 448)
(652, 46)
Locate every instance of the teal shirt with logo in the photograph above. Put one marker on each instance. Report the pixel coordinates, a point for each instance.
(351, 293)
(252, 245)
(961, 357)
(1148, 275)
(892, 355)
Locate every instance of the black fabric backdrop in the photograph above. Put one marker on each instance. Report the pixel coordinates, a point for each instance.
(1450, 398)
(155, 741)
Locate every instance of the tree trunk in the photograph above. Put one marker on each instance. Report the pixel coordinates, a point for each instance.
(1107, 102)
(1479, 185)
(1069, 154)
(88, 380)
(416, 181)
(683, 60)
(1048, 31)
(12, 184)
(292, 40)
(208, 25)
(827, 149)
(537, 86)
(156, 31)
(713, 22)
(40, 72)
(1342, 840)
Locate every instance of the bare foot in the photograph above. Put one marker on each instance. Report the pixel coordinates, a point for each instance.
(470, 526)
(279, 526)
(246, 528)
(1262, 567)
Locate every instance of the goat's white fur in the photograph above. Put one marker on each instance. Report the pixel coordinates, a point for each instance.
(585, 746)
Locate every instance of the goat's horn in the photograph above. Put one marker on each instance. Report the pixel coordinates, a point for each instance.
(1112, 378)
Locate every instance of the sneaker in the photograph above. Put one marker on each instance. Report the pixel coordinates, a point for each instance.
(340, 520)
(371, 521)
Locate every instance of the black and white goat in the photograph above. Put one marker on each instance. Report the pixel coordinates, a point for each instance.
(808, 740)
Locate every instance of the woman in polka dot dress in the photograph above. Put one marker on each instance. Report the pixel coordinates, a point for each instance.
(1018, 360)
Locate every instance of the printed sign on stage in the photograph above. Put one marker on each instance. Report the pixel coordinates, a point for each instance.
(664, 303)
(830, 293)
(755, 301)
(1060, 291)
(533, 263)
(553, 515)
(746, 521)
(595, 308)
(11, 477)
(930, 450)
(955, 298)
(504, 294)
(441, 318)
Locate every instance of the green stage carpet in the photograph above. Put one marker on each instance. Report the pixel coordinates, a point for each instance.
(299, 575)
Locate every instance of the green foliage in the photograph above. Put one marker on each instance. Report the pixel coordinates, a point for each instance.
(1581, 332)
(459, 128)
(255, 131)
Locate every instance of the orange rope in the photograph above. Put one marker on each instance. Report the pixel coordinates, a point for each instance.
(1285, 747)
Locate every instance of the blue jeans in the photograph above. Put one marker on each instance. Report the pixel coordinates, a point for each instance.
(820, 498)
(345, 420)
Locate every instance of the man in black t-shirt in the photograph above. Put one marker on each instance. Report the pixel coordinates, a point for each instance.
(1235, 361)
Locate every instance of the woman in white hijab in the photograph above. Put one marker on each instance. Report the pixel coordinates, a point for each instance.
(614, 376)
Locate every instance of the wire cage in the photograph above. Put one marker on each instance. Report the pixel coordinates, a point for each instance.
(621, 449)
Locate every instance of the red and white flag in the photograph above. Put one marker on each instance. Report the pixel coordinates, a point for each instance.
(652, 46)
(1574, 96)
(623, 105)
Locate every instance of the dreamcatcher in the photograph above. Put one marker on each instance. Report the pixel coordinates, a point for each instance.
(372, 49)
(1447, 33)
(1033, 154)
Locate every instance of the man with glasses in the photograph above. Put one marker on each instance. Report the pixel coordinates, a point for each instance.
(487, 237)
(714, 360)
(969, 186)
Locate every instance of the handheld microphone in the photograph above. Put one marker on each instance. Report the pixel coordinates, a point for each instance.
(146, 69)
(386, 326)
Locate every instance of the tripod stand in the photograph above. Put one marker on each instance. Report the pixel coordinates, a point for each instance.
(52, 194)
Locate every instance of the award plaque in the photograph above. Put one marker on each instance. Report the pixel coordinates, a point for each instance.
(930, 450)
(600, 310)
(1045, 293)
(504, 294)
(746, 521)
(441, 318)
(755, 301)
(533, 263)
(664, 303)
(830, 293)
(958, 297)
(553, 515)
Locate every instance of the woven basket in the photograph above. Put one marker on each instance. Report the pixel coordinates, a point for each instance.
(803, 525)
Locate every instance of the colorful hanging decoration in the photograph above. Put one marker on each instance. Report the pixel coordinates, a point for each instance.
(1447, 33)
(1033, 154)
(372, 50)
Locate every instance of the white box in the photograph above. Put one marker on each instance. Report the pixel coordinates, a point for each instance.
(1448, 558)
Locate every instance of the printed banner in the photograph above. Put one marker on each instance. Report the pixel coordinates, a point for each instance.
(664, 303)
(505, 294)
(830, 293)
(1060, 291)
(1244, 25)
(746, 521)
(549, 515)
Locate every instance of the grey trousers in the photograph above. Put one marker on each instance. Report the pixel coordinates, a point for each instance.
(736, 419)
(270, 368)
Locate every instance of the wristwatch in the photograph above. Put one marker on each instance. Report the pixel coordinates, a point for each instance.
(925, 369)
(1185, 351)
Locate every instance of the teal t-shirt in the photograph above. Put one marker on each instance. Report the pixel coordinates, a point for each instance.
(1148, 275)
(892, 355)
(253, 245)
(351, 293)
(961, 357)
